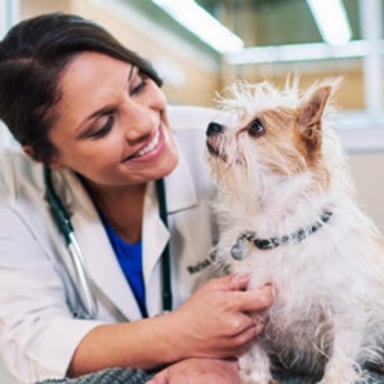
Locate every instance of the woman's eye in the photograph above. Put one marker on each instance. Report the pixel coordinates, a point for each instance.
(256, 128)
(137, 89)
(104, 129)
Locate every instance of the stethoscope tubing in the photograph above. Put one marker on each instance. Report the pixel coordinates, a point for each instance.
(87, 299)
(165, 257)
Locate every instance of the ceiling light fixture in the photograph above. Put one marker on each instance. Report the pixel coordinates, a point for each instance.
(198, 21)
(298, 52)
(332, 21)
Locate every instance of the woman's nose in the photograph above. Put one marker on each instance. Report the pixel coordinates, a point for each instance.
(138, 122)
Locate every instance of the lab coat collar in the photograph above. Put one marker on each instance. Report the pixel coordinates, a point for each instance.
(180, 189)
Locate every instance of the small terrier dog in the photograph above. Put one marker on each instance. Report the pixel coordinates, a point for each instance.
(288, 218)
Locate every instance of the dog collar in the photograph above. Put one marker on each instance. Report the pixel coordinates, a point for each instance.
(237, 251)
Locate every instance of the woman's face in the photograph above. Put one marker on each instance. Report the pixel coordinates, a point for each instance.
(111, 125)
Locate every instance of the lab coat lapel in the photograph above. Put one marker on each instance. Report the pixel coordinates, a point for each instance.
(180, 189)
(180, 195)
(155, 236)
(99, 256)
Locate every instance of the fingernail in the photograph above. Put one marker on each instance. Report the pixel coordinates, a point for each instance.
(267, 294)
(268, 290)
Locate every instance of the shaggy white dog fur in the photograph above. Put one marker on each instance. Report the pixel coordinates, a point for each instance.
(289, 218)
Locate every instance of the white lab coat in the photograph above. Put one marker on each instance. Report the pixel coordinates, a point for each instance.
(38, 333)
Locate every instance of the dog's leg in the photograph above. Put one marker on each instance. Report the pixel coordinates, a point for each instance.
(342, 367)
(255, 367)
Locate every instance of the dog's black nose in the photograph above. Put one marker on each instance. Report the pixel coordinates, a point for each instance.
(214, 128)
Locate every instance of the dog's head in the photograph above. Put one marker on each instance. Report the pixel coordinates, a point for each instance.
(264, 137)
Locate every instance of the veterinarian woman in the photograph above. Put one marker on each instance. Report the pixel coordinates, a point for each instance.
(97, 146)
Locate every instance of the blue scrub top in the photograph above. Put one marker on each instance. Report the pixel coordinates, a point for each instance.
(130, 260)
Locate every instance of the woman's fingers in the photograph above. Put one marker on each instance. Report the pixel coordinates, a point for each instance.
(221, 317)
(234, 282)
(248, 300)
(254, 300)
(199, 371)
(160, 378)
(248, 333)
(246, 312)
(236, 345)
(238, 282)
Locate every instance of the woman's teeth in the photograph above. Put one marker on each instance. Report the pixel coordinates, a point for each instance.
(151, 146)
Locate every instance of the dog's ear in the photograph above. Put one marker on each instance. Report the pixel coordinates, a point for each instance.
(309, 121)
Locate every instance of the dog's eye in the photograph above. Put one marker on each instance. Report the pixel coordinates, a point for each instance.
(256, 128)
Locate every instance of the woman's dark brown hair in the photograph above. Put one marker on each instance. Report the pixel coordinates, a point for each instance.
(33, 55)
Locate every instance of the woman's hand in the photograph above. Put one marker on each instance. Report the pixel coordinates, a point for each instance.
(216, 322)
(213, 323)
(199, 371)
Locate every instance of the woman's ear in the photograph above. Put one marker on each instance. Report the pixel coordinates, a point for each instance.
(54, 163)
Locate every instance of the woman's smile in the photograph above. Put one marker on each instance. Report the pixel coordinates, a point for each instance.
(151, 149)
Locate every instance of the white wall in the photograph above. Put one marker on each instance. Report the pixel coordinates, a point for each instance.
(368, 174)
(363, 139)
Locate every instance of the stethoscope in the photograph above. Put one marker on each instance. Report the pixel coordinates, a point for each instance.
(83, 284)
